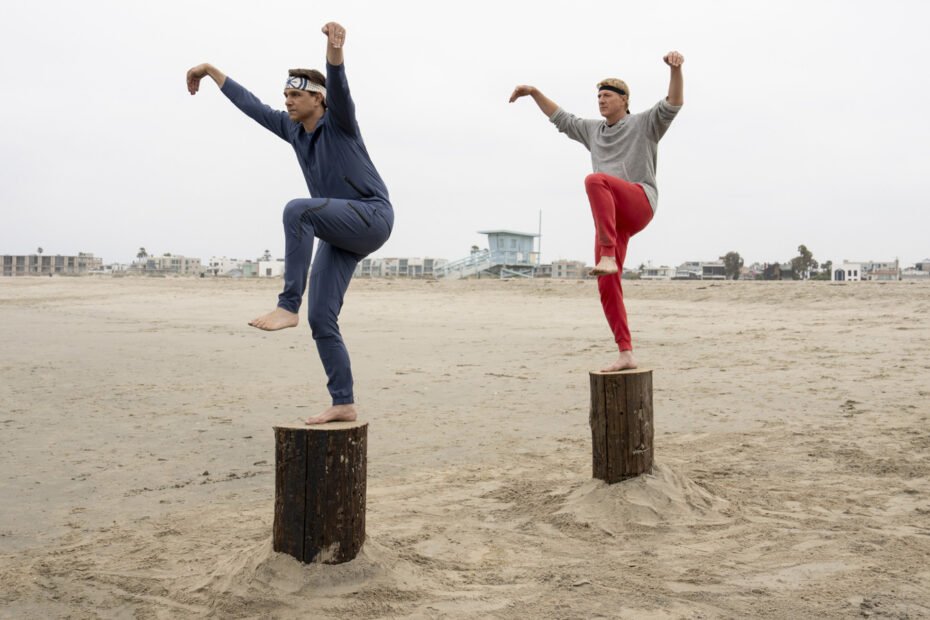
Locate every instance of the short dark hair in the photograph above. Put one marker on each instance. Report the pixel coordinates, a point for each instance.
(311, 74)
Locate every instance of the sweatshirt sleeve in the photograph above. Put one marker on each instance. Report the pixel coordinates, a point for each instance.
(659, 118)
(577, 129)
(339, 101)
(275, 121)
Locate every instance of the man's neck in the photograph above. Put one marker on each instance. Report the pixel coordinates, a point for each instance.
(310, 123)
(611, 121)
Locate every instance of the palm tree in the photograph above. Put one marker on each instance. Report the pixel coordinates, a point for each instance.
(142, 254)
(266, 255)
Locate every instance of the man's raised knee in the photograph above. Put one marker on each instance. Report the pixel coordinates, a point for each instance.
(294, 209)
(596, 178)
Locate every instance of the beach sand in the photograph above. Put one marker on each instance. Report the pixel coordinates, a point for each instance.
(792, 448)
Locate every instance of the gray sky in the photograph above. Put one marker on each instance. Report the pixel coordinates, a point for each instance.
(803, 123)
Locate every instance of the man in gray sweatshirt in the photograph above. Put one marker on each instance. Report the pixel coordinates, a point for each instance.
(622, 190)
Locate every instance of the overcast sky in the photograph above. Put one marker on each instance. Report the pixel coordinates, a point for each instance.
(804, 122)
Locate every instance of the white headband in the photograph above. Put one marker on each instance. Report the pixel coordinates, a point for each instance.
(302, 83)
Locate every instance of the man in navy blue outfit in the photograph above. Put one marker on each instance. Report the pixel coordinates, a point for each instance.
(349, 213)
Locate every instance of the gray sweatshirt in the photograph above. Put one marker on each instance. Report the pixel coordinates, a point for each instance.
(627, 150)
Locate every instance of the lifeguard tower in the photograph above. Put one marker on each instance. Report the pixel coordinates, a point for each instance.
(509, 254)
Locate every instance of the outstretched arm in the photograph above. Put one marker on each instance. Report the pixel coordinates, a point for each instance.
(676, 84)
(199, 72)
(274, 121)
(548, 106)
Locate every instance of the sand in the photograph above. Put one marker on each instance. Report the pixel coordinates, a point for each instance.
(792, 448)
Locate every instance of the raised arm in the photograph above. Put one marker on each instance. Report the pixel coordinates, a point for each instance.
(199, 72)
(335, 39)
(676, 84)
(546, 105)
(338, 99)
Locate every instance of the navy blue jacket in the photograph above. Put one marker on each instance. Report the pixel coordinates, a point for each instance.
(333, 156)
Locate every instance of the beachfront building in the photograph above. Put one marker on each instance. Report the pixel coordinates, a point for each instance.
(714, 270)
(222, 266)
(689, 270)
(847, 272)
(883, 271)
(271, 268)
(650, 272)
(415, 267)
(924, 265)
(168, 264)
(568, 269)
(915, 274)
(42, 265)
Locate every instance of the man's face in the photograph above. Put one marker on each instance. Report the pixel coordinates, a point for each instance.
(301, 104)
(610, 104)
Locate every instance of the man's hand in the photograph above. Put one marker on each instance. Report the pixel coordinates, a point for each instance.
(674, 59)
(521, 91)
(335, 34)
(194, 75)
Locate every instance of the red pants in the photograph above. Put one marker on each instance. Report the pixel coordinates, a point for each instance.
(620, 210)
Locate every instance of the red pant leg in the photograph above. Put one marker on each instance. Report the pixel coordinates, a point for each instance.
(620, 210)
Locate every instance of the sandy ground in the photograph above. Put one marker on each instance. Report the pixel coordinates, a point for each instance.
(792, 449)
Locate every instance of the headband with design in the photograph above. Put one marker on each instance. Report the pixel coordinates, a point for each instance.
(302, 83)
(619, 91)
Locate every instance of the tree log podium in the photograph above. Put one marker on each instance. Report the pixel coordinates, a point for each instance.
(320, 483)
(621, 424)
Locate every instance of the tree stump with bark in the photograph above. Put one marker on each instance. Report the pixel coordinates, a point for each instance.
(621, 424)
(320, 482)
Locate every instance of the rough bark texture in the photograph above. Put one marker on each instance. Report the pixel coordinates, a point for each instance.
(621, 424)
(320, 482)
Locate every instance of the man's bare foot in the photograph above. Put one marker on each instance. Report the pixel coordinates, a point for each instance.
(279, 318)
(626, 361)
(336, 413)
(605, 267)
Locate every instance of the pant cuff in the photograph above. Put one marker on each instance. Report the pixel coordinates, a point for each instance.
(345, 400)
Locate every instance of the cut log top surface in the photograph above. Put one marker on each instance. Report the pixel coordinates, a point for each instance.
(634, 371)
(328, 427)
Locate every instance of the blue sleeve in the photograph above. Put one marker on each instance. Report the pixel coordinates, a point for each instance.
(338, 100)
(275, 121)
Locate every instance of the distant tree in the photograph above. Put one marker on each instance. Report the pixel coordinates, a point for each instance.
(475, 249)
(266, 255)
(167, 254)
(803, 264)
(732, 262)
(142, 254)
(826, 271)
(39, 250)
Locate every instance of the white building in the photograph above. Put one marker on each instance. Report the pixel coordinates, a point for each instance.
(223, 266)
(271, 268)
(568, 269)
(415, 267)
(650, 272)
(847, 272)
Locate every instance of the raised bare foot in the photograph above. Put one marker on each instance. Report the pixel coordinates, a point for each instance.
(336, 413)
(279, 318)
(605, 267)
(626, 361)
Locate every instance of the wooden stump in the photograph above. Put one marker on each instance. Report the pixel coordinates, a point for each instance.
(621, 424)
(320, 478)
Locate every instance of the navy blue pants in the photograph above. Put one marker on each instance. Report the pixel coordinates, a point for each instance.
(348, 231)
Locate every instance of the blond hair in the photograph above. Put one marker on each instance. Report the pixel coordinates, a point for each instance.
(619, 84)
